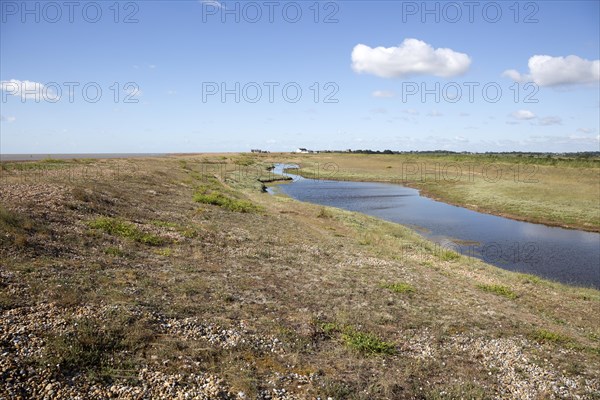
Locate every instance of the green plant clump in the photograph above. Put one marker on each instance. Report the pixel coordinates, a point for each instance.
(499, 290)
(400, 287)
(117, 227)
(212, 194)
(367, 343)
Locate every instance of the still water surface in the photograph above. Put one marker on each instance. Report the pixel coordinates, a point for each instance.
(565, 255)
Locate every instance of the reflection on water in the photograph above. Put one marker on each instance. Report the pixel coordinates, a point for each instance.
(565, 255)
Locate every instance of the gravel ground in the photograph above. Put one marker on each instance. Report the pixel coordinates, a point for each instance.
(22, 336)
(22, 332)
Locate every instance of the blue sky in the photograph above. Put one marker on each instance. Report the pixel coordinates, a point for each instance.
(357, 64)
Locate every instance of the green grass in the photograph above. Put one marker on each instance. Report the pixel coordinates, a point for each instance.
(48, 163)
(16, 228)
(244, 160)
(118, 227)
(363, 342)
(114, 251)
(367, 343)
(86, 347)
(448, 255)
(186, 232)
(11, 220)
(228, 203)
(96, 346)
(213, 193)
(499, 290)
(330, 328)
(545, 336)
(324, 213)
(164, 252)
(528, 278)
(399, 287)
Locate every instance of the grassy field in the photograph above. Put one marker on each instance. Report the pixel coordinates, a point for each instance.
(179, 276)
(558, 192)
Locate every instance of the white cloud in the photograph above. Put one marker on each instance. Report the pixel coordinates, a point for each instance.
(8, 118)
(523, 115)
(412, 57)
(28, 90)
(383, 93)
(526, 115)
(434, 113)
(411, 111)
(514, 75)
(133, 91)
(556, 71)
(586, 130)
(551, 120)
(379, 111)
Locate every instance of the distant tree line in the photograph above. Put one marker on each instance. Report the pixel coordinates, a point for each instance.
(581, 154)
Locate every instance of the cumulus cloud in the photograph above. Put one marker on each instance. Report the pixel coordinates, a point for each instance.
(523, 115)
(557, 71)
(383, 93)
(412, 57)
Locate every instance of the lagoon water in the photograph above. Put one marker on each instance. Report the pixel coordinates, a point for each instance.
(565, 255)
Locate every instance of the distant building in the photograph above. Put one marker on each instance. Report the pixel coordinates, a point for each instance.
(258, 151)
(302, 150)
